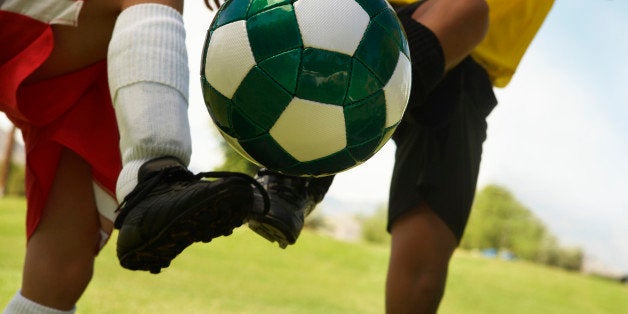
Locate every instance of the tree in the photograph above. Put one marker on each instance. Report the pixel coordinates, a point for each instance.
(7, 154)
(571, 259)
(499, 221)
(374, 227)
(15, 183)
(316, 221)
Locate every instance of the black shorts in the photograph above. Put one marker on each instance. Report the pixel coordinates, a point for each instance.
(439, 147)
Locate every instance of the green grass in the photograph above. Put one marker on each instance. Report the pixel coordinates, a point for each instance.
(245, 274)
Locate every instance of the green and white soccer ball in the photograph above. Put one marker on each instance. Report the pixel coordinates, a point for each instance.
(306, 87)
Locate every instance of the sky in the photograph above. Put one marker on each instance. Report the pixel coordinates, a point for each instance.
(558, 140)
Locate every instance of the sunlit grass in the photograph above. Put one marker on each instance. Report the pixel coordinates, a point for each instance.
(245, 274)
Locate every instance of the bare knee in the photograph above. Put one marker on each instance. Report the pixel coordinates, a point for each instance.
(56, 275)
(421, 249)
(475, 11)
(60, 253)
(414, 290)
(474, 8)
(458, 25)
(428, 290)
(76, 269)
(62, 257)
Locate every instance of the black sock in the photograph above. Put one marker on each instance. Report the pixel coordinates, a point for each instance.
(428, 61)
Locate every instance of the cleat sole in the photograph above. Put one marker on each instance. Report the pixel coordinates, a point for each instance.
(269, 232)
(216, 216)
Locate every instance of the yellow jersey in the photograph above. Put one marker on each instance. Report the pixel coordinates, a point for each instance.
(513, 25)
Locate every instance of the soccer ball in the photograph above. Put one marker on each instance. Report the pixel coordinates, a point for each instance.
(306, 87)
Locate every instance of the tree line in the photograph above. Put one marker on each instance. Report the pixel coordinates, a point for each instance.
(499, 221)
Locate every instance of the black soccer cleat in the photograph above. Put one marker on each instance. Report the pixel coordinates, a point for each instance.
(171, 208)
(290, 202)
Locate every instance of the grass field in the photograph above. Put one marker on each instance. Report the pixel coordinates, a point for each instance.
(245, 274)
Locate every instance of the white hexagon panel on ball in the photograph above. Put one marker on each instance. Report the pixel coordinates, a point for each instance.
(397, 90)
(309, 130)
(334, 25)
(229, 58)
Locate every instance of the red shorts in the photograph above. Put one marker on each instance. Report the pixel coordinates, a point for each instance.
(71, 111)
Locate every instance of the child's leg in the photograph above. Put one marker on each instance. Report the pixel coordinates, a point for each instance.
(60, 253)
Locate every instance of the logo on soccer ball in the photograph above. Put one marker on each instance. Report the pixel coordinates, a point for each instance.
(306, 87)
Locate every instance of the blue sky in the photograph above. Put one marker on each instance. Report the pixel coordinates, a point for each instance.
(557, 140)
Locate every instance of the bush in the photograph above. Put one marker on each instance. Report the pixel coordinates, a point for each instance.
(498, 220)
(315, 221)
(374, 227)
(15, 184)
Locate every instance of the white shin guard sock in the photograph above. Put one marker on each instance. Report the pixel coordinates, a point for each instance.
(21, 305)
(148, 80)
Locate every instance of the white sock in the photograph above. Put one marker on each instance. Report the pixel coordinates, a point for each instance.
(21, 305)
(148, 79)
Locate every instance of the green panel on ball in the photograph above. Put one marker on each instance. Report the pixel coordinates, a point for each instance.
(284, 68)
(372, 7)
(243, 127)
(388, 20)
(217, 104)
(258, 6)
(324, 76)
(261, 99)
(235, 145)
(233, 10)
(267, 152)
(366, 150)
(331, 164)
(273, 32)
(227, 131)
(363, 83)
(365, 119)
(379, 52)
(387, 134)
